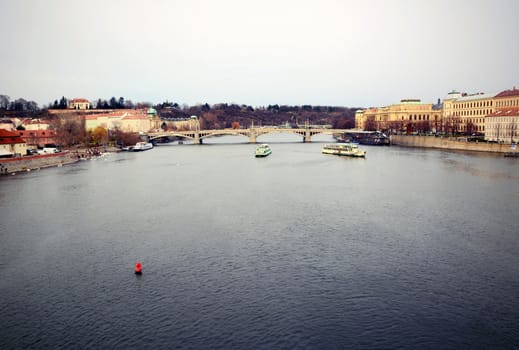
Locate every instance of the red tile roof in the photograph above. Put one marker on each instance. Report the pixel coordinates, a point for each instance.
(508, 93)
(37, 133)
(506, 112)
(9, 138)
(79, 100)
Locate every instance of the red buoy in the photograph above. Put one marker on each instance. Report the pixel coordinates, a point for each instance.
(138, 268)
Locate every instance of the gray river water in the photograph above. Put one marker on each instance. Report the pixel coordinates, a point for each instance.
(406, 249)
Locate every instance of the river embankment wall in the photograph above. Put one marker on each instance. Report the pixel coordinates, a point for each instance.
(449, 143)
(14, 165)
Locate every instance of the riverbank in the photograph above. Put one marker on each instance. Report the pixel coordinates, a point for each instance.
(35, 162)
(448, 143)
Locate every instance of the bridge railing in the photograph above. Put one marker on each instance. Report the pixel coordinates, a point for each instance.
(251, 133)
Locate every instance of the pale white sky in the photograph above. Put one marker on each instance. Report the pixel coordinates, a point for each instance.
(257, 52)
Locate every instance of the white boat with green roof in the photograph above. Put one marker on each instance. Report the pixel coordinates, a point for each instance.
(263, 150)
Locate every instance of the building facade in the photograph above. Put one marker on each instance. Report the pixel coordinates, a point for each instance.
(360, 119)
(7, 124)
(38, 138)
(464, 113)
(11, 144)
(502, 126)
(130, 120)
(79, 103)
(507, 99)
(407, 116)
(459, 113)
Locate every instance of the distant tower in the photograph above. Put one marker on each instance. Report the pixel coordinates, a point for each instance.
(154, 118)
(196, 122)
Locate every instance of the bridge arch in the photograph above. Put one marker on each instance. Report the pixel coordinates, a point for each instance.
(156, 136)
(252, 133)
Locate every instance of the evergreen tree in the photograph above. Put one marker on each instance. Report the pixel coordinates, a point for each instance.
(63, 103)
(113, 103)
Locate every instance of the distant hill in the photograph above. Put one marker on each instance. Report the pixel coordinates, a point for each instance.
(224, 115)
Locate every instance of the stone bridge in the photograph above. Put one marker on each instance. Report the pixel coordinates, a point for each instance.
(252, 133)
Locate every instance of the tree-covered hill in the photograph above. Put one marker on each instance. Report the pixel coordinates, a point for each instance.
(224, 115)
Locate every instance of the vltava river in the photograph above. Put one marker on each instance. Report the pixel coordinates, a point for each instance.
(407, 249)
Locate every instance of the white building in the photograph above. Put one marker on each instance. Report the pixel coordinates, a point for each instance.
(503, 125)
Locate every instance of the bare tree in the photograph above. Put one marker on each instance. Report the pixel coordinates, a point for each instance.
(4, 101)
(371, 124)
(470, 128)
(69, 132)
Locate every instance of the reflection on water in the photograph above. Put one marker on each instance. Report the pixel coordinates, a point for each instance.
(404, 249)
(466, 166)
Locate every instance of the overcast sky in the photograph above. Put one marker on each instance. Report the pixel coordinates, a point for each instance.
(257, 52)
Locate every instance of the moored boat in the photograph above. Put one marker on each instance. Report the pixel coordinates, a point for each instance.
(344, 149)
(263, 150)
(142, 146)
(375, 138)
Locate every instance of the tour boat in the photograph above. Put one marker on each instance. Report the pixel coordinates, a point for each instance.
(142, 146)
(263, 150)
(344, 149)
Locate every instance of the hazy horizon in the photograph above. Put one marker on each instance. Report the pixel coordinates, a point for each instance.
(327, 52)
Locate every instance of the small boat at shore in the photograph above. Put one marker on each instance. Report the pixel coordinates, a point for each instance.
(141, 146)
(263, 150)
(344, 149)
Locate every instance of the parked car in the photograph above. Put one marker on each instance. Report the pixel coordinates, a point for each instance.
(48, 150)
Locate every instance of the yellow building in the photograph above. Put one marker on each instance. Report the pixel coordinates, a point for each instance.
(466, 113)
(109, 121)
(360, 119)
(408, 115)
(124, 120)
(136, 123)
(459, 113)
(507, 99)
